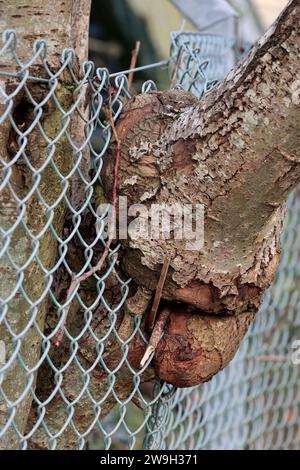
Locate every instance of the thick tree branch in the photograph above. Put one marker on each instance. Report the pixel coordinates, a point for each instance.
(237, 153)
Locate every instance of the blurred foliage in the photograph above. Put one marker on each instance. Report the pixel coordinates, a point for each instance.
(114, 22)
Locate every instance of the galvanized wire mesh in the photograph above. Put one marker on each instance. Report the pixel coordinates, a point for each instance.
(200, 61)
(69, 390)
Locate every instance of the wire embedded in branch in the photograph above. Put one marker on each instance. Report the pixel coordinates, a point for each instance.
(158, 293)
(111, 227)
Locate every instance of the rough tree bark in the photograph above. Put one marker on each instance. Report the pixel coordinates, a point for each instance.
(237, 153)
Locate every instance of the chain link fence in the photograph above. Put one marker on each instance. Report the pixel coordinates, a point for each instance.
(55, 130)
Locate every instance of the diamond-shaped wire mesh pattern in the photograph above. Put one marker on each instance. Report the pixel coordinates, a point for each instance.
(55, 130)
(48, 234)
(199, 61)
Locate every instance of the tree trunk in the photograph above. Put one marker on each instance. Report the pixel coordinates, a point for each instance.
(237, 153)
(62, 24)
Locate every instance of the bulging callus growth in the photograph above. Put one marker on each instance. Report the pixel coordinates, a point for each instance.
(195, 347)
(236, 152)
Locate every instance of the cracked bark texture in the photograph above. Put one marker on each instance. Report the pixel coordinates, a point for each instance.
(237, 153)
